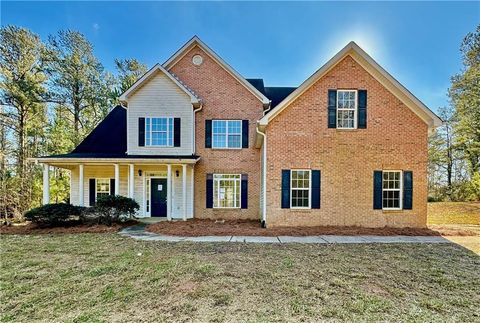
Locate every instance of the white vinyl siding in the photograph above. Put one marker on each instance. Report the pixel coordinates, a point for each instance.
(160, 97)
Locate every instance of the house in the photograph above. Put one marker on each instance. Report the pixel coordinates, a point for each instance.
(194, 138)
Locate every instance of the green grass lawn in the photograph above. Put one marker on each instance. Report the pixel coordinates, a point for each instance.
(96, 277)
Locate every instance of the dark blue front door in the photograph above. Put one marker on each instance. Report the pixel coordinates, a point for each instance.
(158, 195)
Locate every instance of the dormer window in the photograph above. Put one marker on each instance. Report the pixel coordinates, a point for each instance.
(346, 109)
(159, 132)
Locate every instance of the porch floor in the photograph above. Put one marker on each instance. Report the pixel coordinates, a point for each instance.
(151, 220)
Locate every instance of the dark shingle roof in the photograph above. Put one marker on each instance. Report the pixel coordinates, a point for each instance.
(109, 137)
(274, 93)
(277, 94)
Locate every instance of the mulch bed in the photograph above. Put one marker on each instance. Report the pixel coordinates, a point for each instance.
(201, 227)
(30, 228)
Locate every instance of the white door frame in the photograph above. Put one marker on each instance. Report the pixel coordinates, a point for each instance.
(147, 178)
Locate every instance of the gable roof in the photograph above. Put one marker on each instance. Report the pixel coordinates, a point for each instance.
(195, 41)
(149, 74)
(372, 67)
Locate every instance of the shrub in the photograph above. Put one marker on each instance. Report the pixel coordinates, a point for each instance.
(53, 214)
(111, 209)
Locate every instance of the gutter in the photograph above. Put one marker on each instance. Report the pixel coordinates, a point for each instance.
(264, 177)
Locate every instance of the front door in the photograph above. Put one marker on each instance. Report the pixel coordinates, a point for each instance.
(158, 195)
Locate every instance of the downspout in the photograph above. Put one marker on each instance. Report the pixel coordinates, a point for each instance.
(194, 127)
(264, 179)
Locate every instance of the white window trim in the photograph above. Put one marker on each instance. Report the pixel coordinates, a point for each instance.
(218, 193)
(109, 188)
(355, 111)
(167, 132)
(394, 189)
(309, 190)
(226, 134)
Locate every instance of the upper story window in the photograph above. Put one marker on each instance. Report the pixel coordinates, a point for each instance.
(159, 132)
(227, 133)
(392, 190)
(346, 109)
(300, 189)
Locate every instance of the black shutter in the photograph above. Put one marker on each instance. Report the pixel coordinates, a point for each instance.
(332, 108)
(141, 132)
(407, 190)
(285, 189)
(176, 132)
(244, 203)
(362, 109)
(244, 133)
(209, 197)
(91, 191)
(316, 185)
(377, 189)
(208, 133)
(112, 186)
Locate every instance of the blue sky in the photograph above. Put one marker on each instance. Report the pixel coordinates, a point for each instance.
(282, 42)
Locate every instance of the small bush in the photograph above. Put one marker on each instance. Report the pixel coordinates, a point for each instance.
(53, 214)
(111, 209)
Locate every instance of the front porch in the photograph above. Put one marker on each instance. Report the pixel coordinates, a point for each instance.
(163, 190)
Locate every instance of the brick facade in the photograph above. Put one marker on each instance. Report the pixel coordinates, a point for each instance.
(395, 139)
(223, 97)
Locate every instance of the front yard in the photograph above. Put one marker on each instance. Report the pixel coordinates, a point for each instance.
(94, 277)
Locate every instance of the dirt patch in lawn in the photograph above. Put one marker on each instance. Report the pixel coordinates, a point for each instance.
(201, 227)
(30, 228)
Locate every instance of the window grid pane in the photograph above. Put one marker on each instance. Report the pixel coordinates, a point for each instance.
(102, 187)
(226, 191)
(346, 108)
(391, 185)
(227, 133)
(159, 132)
(300, 188)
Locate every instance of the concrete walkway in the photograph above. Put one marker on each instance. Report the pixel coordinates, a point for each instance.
(138, 232)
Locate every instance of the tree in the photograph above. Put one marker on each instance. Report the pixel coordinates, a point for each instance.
(77, 81)
(22, 86)
(465, 95)
(129, 71)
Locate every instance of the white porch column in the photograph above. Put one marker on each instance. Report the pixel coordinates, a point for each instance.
(46, 184)
(184, 190)
(169, 192)
(131, 180)
(192, 198)
(117, 179)
(81, 194)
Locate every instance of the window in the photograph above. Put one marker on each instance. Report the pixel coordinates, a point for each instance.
(226, 191)
(159, 132)
(102, 187)
(300, 189)
(392, 190)
(346, 109)
(227, 133)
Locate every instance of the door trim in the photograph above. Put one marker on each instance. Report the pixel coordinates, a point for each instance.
(147, 192)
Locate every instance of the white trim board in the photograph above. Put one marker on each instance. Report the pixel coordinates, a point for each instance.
(372, 67)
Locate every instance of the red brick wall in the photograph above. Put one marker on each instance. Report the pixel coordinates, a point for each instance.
(223, 98)
(395, 138)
